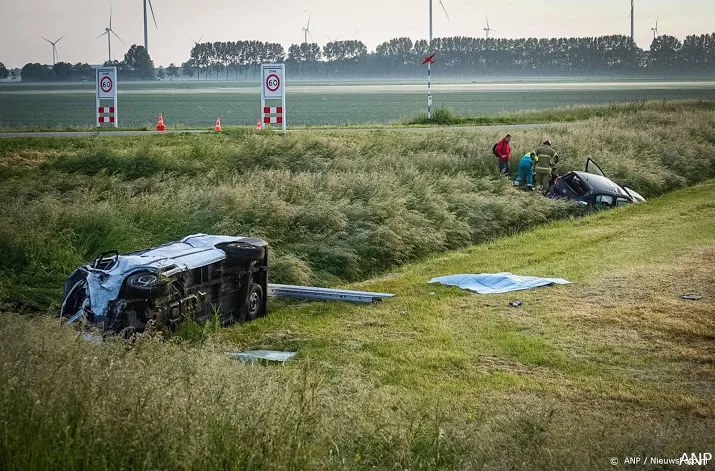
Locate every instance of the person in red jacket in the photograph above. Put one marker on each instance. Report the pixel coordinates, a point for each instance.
(503, 152)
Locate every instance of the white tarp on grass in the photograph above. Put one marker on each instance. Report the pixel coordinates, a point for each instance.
(492, 283)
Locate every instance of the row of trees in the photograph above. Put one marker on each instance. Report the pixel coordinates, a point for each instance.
(401, 56)
(463, 55)
(136, 65)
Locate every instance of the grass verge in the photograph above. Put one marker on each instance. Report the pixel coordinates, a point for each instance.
(614, 365)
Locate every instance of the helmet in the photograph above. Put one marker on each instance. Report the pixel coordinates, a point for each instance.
(547, 141)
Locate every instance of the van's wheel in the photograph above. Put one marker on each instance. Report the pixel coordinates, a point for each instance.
(145, 284)
(242, 251)
(255, 302)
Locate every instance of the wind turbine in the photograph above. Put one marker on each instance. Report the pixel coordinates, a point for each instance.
(196, 43)
(109, 31)
(632, 22)
(655, 29)
(54, 47)
(306, 32)
(487, 29)
(146, 32)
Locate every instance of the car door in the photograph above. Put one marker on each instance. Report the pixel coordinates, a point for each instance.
(593, 167)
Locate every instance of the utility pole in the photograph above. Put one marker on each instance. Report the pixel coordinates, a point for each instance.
(429, 64)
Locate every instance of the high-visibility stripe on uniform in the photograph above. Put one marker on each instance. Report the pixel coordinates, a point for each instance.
(273, 119)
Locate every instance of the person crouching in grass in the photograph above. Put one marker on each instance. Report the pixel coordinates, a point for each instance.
(526, 171)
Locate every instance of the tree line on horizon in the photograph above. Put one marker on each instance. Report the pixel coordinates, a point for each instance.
(456, 56)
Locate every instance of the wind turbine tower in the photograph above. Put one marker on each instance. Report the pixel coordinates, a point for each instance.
(487, 29)
(306, 32)
(146, 32)
(655, 29)
(54, 47)
(633, 37)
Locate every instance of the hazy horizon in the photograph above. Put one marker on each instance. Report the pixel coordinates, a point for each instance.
(371, 21)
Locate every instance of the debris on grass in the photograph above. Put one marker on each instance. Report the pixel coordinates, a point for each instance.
(516, 304)
(252, 356)
(492, 283)
(691, 297)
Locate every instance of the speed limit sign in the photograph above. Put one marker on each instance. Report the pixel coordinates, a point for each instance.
(106, 82)
(273, 81)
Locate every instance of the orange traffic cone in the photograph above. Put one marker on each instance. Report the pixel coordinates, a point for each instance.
(258, 124)
(217, 128)
(160, 125)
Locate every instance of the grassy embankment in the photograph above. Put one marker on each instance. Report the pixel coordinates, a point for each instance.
(334, 207)
(614, 365)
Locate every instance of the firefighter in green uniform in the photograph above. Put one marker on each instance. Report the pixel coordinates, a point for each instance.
(546, 159)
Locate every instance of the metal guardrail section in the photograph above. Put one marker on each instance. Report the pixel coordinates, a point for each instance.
(324, 294)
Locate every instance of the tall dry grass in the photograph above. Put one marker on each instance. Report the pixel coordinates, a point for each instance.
(334, 207)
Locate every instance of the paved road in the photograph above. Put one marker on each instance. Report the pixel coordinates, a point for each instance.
(69, 134)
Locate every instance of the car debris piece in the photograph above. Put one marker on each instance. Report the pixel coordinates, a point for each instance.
(492, 283)
(252, 356)
(516, 304)
(325, 294)
(691, 297)
(197, 277)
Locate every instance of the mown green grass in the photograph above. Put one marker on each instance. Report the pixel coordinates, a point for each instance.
(184, 108)
(614, 365)
(334, 207)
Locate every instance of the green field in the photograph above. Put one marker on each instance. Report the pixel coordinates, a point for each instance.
(198, 104)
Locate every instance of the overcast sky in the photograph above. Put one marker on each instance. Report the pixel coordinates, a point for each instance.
(22, 22)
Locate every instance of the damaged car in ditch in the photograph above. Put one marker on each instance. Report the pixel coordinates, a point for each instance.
(591, 188)
(195, 278)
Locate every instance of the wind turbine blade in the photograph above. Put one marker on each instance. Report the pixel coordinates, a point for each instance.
(487, 18)
(110, 16)
(202, 37)
(308, 27)
(118, 37)
(106, 32)
(445, 11)
(61, 38)
(152, 15)
(311, 36)
(46, 39)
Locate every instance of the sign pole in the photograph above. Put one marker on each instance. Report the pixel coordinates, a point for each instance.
(263, 104)
(116, 109)
(283, 101)
(97, 103)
